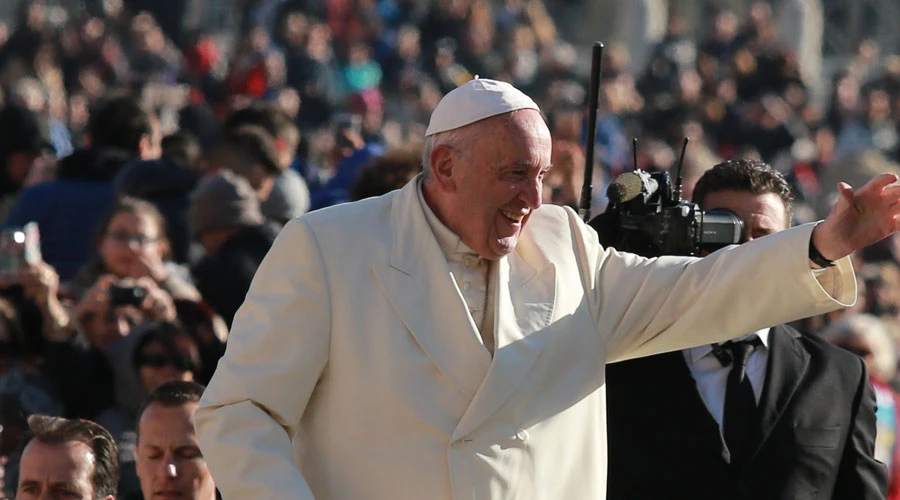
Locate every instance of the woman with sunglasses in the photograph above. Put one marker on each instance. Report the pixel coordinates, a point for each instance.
(154, 353)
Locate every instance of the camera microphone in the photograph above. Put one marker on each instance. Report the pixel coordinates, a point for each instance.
(630, 185)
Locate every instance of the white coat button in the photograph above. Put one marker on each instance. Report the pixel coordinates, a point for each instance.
(522, 435)
(466, 286)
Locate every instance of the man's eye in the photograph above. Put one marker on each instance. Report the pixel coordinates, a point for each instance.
(189, 453)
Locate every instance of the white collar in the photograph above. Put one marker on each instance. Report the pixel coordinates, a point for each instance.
(696, 353)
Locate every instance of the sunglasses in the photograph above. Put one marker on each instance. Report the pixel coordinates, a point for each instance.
(180, 362)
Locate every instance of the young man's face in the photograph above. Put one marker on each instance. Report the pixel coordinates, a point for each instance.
(169, 462)
(762, 213)
(56, 471)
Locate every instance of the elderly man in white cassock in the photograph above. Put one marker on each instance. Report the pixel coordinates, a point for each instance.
(448, 340)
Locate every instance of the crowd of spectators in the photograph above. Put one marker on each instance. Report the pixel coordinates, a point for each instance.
(160, 164)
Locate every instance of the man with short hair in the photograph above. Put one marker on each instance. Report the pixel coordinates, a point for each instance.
(169, 462)
(249, 151)
(448, 340)
(805, 426)
(68, 459)
(120, 131)
(289, 196)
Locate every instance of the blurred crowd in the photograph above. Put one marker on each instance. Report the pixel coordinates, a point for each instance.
(159, 164)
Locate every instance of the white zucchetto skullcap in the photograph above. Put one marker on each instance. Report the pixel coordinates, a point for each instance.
(476, 100)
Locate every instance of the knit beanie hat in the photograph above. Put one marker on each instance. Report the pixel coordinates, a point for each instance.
(224, 201)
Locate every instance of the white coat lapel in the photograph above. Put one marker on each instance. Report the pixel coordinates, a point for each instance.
(421, 290)
(521, 309)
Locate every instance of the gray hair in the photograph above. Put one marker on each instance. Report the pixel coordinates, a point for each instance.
(455, 138)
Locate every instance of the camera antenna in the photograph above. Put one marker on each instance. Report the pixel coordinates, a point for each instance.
(677, 193)
(634, 152)
(587, 188)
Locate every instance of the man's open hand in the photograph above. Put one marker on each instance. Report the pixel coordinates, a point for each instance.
(859, 218)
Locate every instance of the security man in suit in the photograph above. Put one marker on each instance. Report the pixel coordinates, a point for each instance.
(774, 414)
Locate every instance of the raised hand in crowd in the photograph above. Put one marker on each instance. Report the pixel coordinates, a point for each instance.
(95, 301)
(157, 304)
(40, 283)
(150, 265)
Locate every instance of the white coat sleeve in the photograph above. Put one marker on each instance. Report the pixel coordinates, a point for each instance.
(277, 350)
(648, 306)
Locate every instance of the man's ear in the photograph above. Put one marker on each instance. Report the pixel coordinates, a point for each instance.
(443, 167)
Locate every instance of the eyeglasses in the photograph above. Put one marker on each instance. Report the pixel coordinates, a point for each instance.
(157, 360)
(128, 238)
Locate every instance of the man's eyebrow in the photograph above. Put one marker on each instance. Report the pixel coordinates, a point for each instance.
(66, 484)
(528, 164)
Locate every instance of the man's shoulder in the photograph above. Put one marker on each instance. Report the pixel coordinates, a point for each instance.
(353, 213)
(823, 353)
(360, 224)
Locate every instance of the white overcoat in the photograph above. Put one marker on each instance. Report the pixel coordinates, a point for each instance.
(354, 371)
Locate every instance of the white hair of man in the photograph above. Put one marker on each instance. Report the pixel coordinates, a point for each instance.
(453, 121)
(456, 138)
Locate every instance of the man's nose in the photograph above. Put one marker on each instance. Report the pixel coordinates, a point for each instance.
(532, 194)
(168, 467)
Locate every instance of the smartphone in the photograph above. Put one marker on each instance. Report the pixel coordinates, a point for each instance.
(18, 247)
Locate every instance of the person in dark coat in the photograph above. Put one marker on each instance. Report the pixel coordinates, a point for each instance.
(225, 216)
(69, 208)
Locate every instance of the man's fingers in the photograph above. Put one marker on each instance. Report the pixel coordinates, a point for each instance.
(882, 181)
(891, 193)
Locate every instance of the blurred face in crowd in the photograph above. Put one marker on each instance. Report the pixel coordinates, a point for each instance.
(857, 344)
(19, 164)
(56, 471)
(129, 238)
(169, 462)
(157, 364)
(762, 213)
(485, 189)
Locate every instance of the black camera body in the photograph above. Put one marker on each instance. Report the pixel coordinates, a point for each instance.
(120, 295)
(646, 216)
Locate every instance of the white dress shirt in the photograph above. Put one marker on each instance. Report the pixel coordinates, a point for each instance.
(470, 272)
(712, 377)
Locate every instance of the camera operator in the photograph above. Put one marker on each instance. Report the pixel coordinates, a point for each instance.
(794, 419)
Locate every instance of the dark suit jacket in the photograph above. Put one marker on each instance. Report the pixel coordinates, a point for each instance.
(817, 429)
